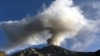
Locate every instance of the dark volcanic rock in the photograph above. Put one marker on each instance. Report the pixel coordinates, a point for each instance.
(97, 53)
(53, 51)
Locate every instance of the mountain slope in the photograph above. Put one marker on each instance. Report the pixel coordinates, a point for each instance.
(53, 51)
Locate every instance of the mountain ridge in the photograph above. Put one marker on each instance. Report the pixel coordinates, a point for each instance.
(53, 51)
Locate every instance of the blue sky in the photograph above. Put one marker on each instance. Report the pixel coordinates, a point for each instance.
(18, 9)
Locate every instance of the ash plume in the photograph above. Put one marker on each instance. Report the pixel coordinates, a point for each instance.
(62, 19)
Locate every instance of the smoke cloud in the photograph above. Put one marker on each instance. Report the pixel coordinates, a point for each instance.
(62, 19)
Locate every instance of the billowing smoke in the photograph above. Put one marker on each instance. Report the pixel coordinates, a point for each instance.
(62, 19)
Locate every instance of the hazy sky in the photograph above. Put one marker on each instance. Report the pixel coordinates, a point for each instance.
(18, 9)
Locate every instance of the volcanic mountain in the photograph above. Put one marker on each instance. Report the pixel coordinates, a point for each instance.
(53, 51)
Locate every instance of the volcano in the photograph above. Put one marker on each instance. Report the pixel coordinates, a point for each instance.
(53, 51)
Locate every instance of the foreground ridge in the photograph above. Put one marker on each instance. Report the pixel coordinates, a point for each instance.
(53, 51)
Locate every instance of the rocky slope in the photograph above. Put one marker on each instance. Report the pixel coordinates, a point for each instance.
(2, 53)
(53, 51)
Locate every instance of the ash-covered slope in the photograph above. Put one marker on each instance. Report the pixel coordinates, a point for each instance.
(53, 51)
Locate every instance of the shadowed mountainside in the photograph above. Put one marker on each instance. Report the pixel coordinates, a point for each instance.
(53, 51)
